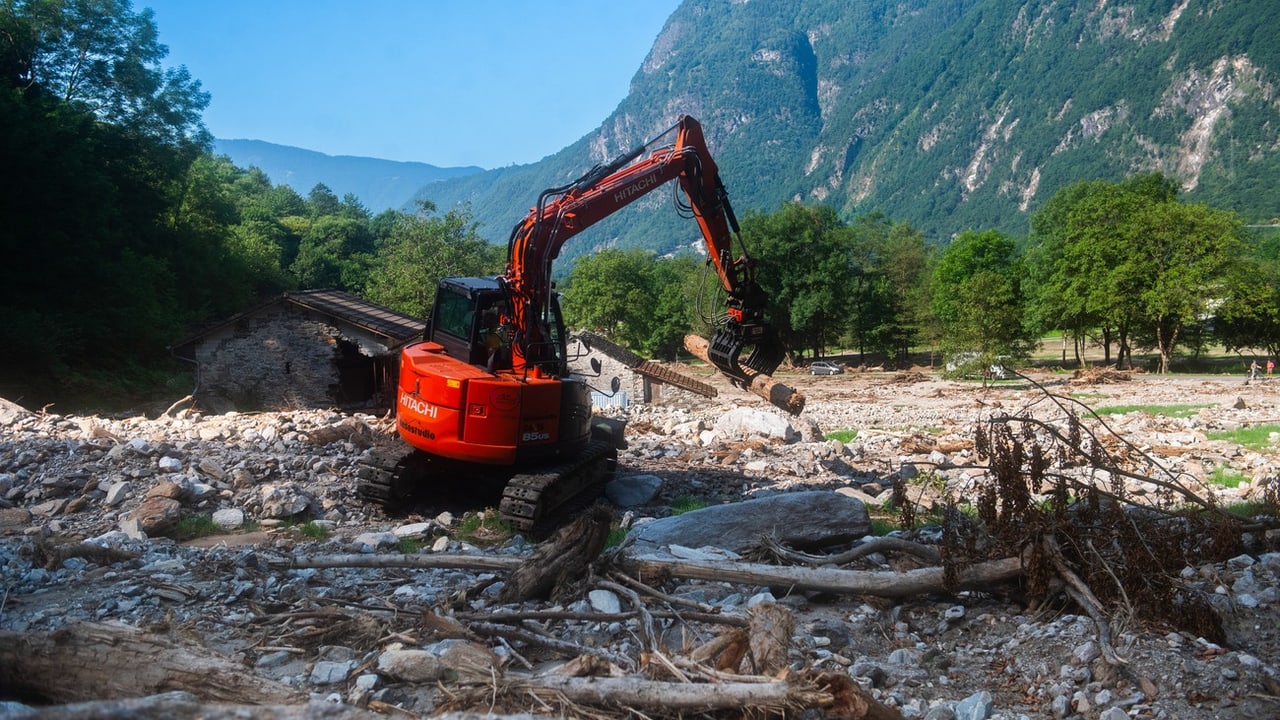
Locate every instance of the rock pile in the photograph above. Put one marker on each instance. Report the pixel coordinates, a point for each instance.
(282, 485)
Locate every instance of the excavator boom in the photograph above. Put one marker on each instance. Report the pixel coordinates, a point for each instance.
(563, 212)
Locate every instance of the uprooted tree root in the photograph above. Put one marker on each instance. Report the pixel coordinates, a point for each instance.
(1058, 497)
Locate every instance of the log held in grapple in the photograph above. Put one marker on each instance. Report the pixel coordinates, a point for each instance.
(763, 385)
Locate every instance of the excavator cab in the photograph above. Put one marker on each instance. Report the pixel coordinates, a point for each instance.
(466, 321)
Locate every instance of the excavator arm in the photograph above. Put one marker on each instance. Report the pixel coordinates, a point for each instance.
(563, 212)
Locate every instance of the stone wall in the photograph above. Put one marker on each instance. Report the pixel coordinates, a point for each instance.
(636, 387)
(275, 359)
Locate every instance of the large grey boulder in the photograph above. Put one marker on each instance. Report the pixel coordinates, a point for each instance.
(800, 519)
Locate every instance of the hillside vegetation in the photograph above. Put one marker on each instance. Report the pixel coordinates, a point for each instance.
(953, 115)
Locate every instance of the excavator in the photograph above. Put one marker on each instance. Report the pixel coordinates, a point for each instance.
(487, 395)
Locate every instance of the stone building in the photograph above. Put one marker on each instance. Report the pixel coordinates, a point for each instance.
(640, 380)
(314, 348)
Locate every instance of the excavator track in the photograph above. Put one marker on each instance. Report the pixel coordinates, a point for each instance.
(388, 476)
(533, 502)
(538, 501)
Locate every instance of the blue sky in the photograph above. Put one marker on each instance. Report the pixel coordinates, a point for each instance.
(447, 82)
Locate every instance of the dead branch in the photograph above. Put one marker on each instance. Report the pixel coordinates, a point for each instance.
(980, 576)
(1084, 597)
(879, 545)
(701, 607)
(533, 638)
(648, 637)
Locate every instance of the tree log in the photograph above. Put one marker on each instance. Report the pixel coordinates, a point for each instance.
(179, 705)
(97, 661)
(887, 584)
(434, 560)
(759, 383)
(637, 693)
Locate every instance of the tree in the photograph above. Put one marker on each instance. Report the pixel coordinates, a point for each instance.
(421, 248)
(1182, 260)
(1129, 258)
(888, 279)
(612, 293)
(100, 56)
(1249, 316)
(979, 297)
(803, 259)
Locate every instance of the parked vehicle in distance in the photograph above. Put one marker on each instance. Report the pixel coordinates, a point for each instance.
(825, 367)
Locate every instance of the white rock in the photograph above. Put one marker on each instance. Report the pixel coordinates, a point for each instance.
(412, 530)
(605, 601)
(229, 518)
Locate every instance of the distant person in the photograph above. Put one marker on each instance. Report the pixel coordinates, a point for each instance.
(1271, 365)
(1254, 367)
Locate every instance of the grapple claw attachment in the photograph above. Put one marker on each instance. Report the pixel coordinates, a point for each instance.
(730, 341)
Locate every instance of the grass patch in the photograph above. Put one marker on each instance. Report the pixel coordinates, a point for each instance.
(1256, 437)
(408, 546)
(1226, 477)
(843, 436)
(483, 529)
(686, 503)
(191, 527)
(1173, 411)
(881, 526)
(617, 534)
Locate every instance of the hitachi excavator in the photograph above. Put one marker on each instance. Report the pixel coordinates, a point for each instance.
(488, 395)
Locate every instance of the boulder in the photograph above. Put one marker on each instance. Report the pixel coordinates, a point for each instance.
(800, 519)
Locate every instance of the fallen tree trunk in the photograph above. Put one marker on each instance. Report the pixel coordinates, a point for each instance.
(96, 661)
(179, 705)
(839, 697)
(639, 693)
(763, 385)
(887, 584)
(397, 560)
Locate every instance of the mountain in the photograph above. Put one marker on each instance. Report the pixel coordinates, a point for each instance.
(951, 114)
(380, 184)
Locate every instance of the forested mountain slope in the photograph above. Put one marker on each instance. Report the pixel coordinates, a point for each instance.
(951, 114)
(379, 184)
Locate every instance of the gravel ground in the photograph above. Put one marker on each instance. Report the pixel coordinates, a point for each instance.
(973, 655)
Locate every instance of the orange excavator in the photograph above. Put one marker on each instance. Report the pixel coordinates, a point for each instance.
(488, 395)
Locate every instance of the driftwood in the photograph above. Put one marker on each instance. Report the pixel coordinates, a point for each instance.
(837, 695)
(422, 562)
(638, 693)
(180, 705)
(95, 661)
(558, 564)
(763, 385)
(889, 584)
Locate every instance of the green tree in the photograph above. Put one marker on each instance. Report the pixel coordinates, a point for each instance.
(803, 258)
(888, 277)
(1249, 317)
(421, 248)
(1132, 260)
(101, 57)
(979, 298)
(612, 293)
(1183, 256)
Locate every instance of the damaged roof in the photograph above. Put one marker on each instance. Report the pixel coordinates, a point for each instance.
(335, 305)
